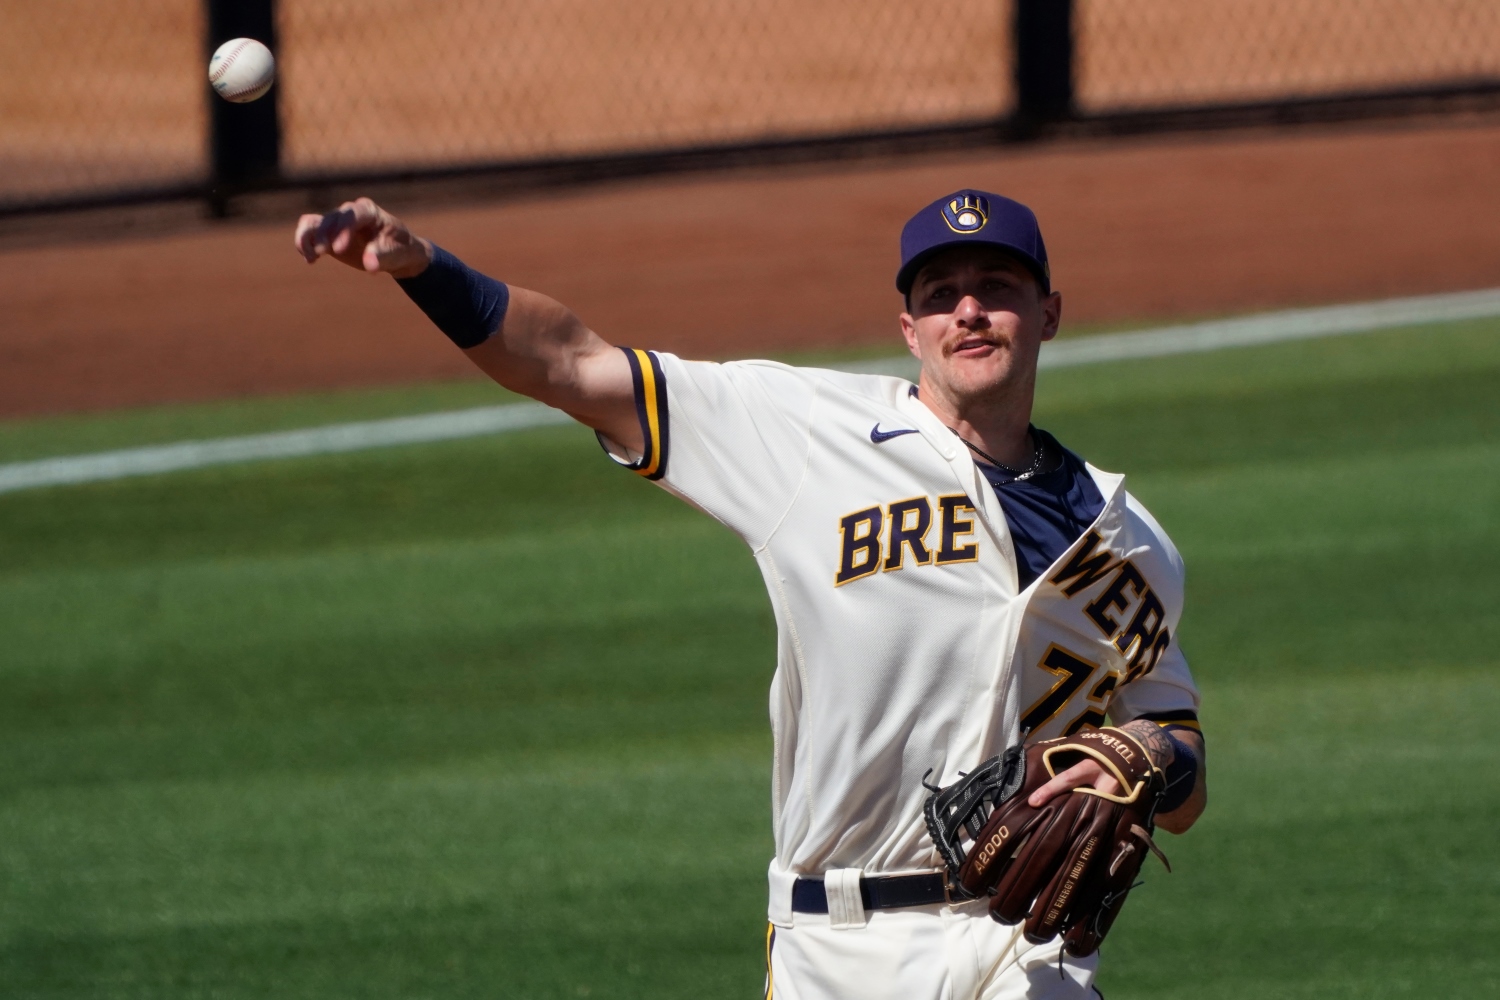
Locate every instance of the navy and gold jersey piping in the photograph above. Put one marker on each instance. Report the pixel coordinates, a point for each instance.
(651, 407)
(770, 943)
(1186, 718)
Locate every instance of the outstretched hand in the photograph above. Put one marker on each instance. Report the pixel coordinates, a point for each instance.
(363, 235)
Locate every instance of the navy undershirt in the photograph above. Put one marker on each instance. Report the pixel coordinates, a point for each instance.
(1048, 512)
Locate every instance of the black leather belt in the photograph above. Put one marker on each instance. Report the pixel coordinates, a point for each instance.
(877, 892)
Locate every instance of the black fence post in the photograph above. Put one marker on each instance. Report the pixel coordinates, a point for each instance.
(1044, 62)
(244, 139)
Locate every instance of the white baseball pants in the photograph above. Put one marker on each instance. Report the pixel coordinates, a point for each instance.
(920, 953)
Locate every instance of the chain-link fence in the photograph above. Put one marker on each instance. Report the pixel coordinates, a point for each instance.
(1150, 53)
(108, 100)
(100, 97)
(475, 80)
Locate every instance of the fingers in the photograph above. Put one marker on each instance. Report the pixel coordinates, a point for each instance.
(1064, 782)
(400, 255)
(384, 254)
(336, 230)
(307, 228)
(358, 218)
(385, 251)
(315, 233)
(1088, 773)
(348, 232)
(374, 254)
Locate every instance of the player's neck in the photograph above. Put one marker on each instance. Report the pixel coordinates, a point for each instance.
(997, 422)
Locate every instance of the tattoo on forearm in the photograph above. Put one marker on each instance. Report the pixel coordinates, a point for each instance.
(1154, 740)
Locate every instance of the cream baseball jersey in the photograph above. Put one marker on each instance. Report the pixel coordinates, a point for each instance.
(904, 644)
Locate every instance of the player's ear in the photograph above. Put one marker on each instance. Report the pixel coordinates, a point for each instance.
(1051, 315)
(909, 331)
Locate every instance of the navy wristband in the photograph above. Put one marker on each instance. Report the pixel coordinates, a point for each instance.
(466, 305)
(1182, 776)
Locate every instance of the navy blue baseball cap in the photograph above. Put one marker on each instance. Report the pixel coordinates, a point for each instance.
(972, 218)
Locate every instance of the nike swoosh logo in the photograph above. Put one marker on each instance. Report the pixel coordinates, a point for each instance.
(878, 436)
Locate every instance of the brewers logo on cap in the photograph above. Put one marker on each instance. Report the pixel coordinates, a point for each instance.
(972, 217)
(967, 214)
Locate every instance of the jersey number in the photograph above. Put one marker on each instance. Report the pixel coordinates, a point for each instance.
(1072, 673)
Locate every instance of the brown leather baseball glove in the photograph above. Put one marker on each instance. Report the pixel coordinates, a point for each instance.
(1064, 867)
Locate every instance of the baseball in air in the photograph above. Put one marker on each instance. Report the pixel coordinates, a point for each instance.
(242, 70)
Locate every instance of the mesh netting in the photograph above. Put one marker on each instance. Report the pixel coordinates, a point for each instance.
(1146, 53)
(389, 82)
(100, 96)
(110, 97)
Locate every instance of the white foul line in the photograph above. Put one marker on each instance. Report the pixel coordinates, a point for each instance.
(1293, 324)
(285, 444)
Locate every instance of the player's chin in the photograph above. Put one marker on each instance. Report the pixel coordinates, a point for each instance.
(977, 372)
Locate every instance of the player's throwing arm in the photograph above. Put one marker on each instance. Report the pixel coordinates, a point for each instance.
(524, 340)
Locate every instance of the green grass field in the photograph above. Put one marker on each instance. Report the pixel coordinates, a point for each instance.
(487, 718)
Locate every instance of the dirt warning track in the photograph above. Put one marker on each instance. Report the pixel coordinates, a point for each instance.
(737, 264)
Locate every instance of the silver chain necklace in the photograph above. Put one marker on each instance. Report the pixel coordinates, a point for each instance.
(1037, 456)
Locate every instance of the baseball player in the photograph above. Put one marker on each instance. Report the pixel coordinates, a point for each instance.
(947, 580)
